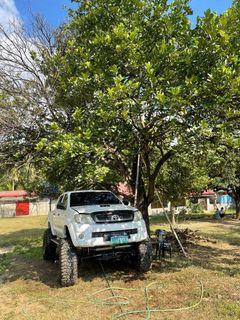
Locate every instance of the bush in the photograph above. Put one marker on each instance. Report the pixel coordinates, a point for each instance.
(195, 208)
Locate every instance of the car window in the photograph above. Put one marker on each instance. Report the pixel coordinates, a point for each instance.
(92, 198)
(62, 202)
(65, 200)
(60, 199)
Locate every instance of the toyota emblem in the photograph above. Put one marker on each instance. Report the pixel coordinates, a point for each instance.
(115, 217)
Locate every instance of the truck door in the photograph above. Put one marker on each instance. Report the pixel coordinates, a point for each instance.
(61, 215)
(54, 214)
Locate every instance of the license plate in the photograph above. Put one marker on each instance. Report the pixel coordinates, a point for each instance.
(119, 240)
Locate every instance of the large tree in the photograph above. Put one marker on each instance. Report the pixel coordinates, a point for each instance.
(125, 82)
(134, 78)
(218, 53)
(129, 78)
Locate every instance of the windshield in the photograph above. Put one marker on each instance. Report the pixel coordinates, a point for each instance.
(92, 198)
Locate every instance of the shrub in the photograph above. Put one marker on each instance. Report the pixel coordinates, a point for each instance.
(195, 208)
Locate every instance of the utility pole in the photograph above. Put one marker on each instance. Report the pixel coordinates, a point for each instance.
(137, 179)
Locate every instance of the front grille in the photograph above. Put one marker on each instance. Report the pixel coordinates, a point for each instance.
(112, 216)
(108, 234)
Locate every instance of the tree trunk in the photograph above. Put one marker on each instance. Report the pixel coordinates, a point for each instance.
(148, 195)
(172, 212)
(237, 201)
(147, 201)
(144, 210)
(236, 196)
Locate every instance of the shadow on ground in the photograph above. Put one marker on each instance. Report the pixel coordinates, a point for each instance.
(25, 262)
(204, 255)
(47, 272)
(22, 237)
(28, 264)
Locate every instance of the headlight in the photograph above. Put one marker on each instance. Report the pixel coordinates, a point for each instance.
(83, 218)
(137, 216)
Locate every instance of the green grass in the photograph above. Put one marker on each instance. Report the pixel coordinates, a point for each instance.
(5, 262)
(160, 218)
(230, 310)
(29, 288)
(22, 236)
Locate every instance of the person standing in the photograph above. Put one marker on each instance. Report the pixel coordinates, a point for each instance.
(216, 215)
(222, 213)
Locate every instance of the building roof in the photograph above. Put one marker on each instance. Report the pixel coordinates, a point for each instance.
(204, 193)
(124, 189)
(13, 194)
(207, 193)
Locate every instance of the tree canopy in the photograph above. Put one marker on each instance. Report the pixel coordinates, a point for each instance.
(135, 77)
(124, 79)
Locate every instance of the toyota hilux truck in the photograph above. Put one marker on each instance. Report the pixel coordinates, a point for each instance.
(95, 224)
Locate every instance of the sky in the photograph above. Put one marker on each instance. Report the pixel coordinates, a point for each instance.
(55, 11)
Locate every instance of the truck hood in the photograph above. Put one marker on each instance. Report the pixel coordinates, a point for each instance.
(97, 208)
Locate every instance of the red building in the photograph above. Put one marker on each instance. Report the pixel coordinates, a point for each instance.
(16, 202)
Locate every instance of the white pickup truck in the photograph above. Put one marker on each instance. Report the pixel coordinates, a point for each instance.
(94, 224)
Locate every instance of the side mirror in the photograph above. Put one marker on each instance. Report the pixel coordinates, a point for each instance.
(126, 202)
(61, 206)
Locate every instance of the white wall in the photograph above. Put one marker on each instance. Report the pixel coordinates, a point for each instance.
(40, 207)
(7, 210)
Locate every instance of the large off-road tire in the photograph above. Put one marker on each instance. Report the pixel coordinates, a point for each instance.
(68, 260)
(49, 247)
(144, 256)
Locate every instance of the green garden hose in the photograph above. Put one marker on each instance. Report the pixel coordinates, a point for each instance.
(120, 300)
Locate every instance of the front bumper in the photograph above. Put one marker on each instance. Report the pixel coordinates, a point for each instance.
(99, 235)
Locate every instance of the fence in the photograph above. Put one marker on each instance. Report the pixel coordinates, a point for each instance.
(32, 207)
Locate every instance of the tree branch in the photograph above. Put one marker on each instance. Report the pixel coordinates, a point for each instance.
(164, 158)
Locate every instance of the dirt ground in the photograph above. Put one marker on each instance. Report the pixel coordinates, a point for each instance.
(29, 286)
